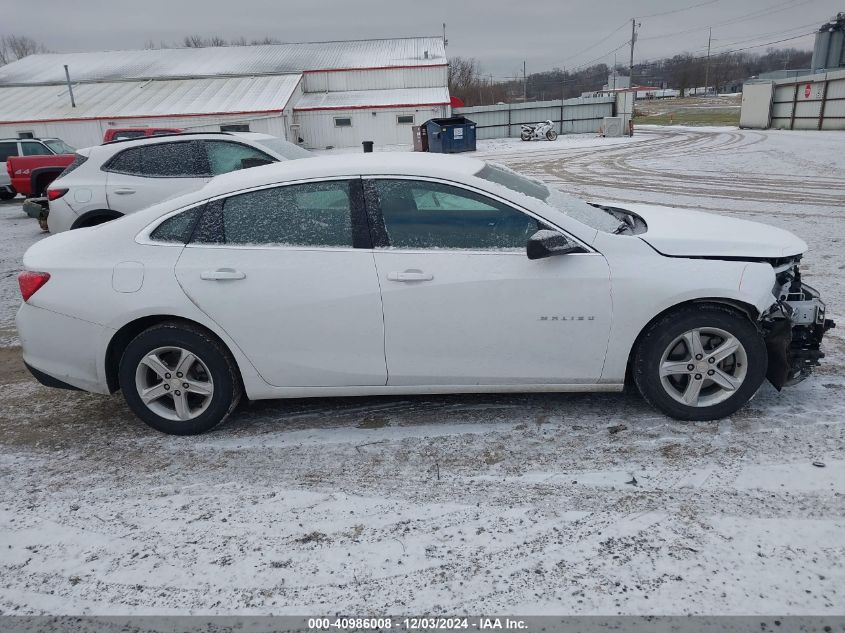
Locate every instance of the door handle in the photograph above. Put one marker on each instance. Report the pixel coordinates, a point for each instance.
(412, 274)
(124, 192)
(222, 274)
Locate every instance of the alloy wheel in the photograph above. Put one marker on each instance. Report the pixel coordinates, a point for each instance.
(174, 383)
(703, 367)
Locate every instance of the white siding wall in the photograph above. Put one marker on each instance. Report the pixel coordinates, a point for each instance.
(377, 125)
(87, 133)
(423, 77)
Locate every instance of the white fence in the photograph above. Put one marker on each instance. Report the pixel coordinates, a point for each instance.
(579, 115)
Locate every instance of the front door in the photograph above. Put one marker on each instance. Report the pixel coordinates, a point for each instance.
(279, 271)
(463, 305)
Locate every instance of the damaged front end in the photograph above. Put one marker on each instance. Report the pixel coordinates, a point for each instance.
(793, 327)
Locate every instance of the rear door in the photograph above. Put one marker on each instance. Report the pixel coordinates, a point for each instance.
(8, 149)
(288, 272)
(141, 176)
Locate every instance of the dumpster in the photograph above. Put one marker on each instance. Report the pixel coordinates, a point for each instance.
(448, 136)
(420, 138)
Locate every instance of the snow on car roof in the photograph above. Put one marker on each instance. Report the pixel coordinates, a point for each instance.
(382, 163)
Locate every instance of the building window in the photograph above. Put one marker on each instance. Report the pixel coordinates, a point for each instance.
(26, 134)
(342, 121)
(235, 127)
(405, 119)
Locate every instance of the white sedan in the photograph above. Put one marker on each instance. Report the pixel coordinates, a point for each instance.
(413, 274)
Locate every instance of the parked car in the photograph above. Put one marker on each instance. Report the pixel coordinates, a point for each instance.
(32, 175)
(123, 133)
(413, 274)
(35, 153)
(107, 181)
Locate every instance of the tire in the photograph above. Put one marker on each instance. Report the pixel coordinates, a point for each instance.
(6, 194)
(663, 358)
(212, 371)
(525, 136)
(551, 135)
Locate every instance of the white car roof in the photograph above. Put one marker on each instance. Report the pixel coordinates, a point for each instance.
(376, 163)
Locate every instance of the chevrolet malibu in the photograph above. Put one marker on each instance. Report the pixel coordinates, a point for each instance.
(413, 274)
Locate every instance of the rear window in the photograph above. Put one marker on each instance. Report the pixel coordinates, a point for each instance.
(78, 159)
(183, 159)
(177, 229)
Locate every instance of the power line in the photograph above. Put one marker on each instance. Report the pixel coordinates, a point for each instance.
(694, 6)
(601, 41)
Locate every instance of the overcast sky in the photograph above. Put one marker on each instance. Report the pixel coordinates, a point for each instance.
(499, 33)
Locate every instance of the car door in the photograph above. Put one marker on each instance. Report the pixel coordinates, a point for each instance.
(144, 175)
(463, 305)
(288, 272)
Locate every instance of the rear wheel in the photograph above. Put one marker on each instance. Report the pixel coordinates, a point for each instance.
(551, 135)
(178, 379)
(702, 362)
(7, 193)
(525, 136)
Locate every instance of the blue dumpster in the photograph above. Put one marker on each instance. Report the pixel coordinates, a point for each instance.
(452, 135)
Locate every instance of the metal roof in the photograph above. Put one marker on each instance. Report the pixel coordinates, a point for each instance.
(354, 99)
(224, 60)
(141, 99)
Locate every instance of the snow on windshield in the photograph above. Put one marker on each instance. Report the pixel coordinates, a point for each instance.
(284, 148)
(570, 205)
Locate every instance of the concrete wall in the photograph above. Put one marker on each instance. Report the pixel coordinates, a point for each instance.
(582, 114)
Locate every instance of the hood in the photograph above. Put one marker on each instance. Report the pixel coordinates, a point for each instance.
(685, 233)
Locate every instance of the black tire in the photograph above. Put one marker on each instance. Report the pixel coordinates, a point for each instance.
(525, 136)
(227, 388)
(660, 335)
(5, 194)
(551, 135)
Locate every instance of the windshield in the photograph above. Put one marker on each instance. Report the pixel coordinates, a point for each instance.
(284, 148)
(570, 205)
(59, 146)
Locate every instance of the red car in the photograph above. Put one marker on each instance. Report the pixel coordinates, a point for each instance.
(32, 164)
(123, 133)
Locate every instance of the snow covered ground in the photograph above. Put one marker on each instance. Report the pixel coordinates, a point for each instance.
(535, 504)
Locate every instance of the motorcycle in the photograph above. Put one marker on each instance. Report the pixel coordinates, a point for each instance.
(538, 131)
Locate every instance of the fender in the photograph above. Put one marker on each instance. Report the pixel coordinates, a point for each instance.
(38, 174)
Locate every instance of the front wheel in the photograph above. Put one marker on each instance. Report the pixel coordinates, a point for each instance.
(551, 135)
(703, 362)
(178, 379)
(7, 193)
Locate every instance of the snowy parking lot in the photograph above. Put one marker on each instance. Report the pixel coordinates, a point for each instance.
(528, 504)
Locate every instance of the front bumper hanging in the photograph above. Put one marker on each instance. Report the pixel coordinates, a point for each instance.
(794, 332)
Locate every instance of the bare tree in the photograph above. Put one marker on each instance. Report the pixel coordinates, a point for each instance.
(13, 47)
(193, 41)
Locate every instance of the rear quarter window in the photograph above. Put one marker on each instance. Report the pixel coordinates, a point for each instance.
(178, 228)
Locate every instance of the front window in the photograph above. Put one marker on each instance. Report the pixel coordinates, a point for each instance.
(570, 205)
(30, 148)
(428, 215)
(224, 156)
(59, 146)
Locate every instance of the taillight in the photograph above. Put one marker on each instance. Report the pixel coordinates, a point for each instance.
(55, 194)
(30, 282)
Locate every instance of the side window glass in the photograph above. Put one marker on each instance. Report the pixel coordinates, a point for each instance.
(126, 162)
(177, 228)
(419, 214)
(224, 156)
(176, 160)
(34, 149)
(310, 214)
(7, 150)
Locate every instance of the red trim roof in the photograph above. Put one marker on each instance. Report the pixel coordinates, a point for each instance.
(371, 107)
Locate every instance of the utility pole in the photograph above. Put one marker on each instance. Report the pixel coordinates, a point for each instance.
(633, 40)
(707, 65)
(524, 83)
(445, 41)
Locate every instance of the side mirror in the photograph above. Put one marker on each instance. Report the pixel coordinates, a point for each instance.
(246, 163)
(546, 243)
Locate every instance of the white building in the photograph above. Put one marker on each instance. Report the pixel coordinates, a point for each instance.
(329, 94)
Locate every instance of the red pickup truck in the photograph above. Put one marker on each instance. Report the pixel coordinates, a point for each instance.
(37, 164)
